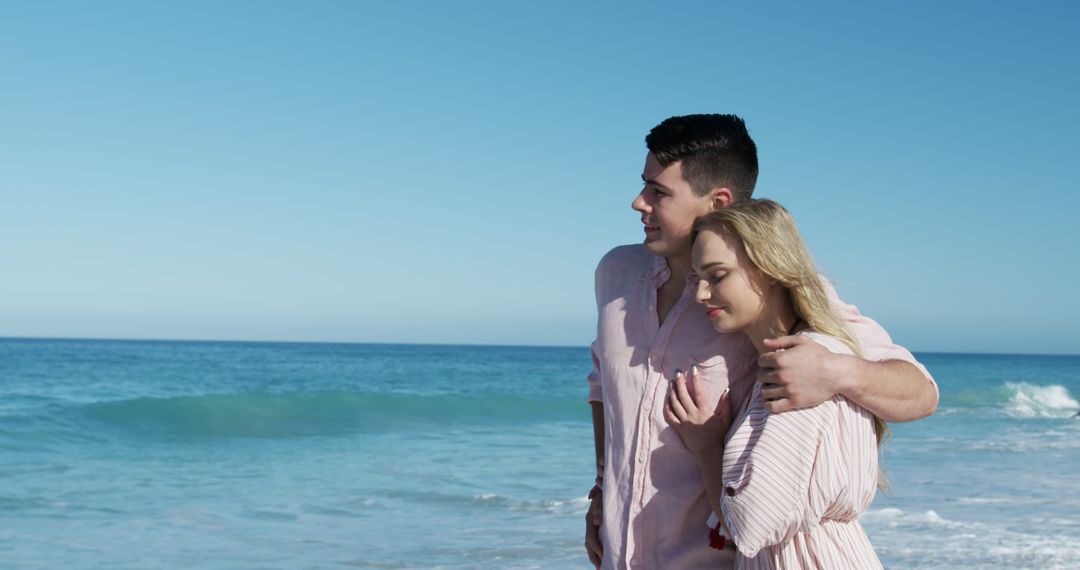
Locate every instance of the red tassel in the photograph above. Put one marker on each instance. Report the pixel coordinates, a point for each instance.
(716, 540)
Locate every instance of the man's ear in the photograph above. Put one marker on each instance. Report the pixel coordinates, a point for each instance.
(722, 197)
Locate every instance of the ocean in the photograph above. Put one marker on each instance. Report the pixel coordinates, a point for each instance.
(144, 454)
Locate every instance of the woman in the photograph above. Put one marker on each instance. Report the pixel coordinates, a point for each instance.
(789, 487)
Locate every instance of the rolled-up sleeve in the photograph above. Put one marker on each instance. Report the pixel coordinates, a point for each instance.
(595, 380)
(596, 393)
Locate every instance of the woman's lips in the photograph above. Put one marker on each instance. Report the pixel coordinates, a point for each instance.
(713, 313)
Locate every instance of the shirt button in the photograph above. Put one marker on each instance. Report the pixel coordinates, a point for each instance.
(641, 459)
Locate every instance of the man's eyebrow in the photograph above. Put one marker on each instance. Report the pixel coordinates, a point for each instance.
(653, 182)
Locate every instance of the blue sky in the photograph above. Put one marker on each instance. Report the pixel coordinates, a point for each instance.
(450, 172)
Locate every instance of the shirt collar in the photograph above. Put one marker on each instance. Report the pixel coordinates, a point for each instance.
(657, 269)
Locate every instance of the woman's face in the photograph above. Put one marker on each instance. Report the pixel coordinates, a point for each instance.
(732, 290)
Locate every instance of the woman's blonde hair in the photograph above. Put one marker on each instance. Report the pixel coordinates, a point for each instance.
(773, 244)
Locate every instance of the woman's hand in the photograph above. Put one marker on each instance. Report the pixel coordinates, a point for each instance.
(688, 410)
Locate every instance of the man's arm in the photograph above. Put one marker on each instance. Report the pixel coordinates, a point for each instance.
(594, 517)
(805, 374)
(887, 380)
(598, 437)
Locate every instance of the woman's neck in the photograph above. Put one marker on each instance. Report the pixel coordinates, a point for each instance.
(779, 319)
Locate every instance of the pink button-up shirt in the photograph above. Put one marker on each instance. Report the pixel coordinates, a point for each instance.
(655, 506)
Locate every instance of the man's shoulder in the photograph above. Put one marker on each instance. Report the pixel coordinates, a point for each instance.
(624, 257)
(832, 343)
(620, 270)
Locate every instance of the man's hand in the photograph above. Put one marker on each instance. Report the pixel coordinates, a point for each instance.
(699, 424)
(800, 373)
(594, 517)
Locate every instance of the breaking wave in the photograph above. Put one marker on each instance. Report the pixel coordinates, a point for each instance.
(318, 413)
(1032, 401)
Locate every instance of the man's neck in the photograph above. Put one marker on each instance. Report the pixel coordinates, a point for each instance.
(679, 268)
(671, 291)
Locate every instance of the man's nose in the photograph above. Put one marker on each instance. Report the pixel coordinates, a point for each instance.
(639, 204)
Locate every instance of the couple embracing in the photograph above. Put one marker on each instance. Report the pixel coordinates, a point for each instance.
(737, 403)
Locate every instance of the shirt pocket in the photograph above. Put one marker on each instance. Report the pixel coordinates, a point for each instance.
(712, 376)
(712, 367)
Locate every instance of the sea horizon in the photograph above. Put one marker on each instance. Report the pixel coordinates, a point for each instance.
(442, 344)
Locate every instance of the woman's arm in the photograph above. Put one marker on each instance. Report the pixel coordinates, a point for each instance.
(759, 481)
(701, 428)
(769, 461)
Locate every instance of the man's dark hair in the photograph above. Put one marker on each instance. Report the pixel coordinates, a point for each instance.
(715, 150)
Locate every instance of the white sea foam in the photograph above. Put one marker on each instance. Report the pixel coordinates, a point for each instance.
(576, 505)
(984, 500)
(895, 518)
(949, 543)
(887, 512)
(1032, 401)
(1059, 437)
(1040, 551)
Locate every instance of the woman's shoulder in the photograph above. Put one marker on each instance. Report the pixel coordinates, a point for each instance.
(830, 342)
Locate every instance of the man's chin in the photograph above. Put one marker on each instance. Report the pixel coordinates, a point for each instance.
(661, 248)
(655, 247)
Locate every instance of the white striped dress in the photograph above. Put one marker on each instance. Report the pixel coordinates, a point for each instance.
(795, 483)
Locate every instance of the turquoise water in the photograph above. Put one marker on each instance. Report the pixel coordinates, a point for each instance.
(123, 454)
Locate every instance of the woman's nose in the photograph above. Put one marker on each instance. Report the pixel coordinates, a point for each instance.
(702, 293)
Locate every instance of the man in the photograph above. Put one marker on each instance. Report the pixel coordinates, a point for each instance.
(648, 506)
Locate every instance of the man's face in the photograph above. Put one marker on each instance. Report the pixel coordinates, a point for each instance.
(668, 208)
